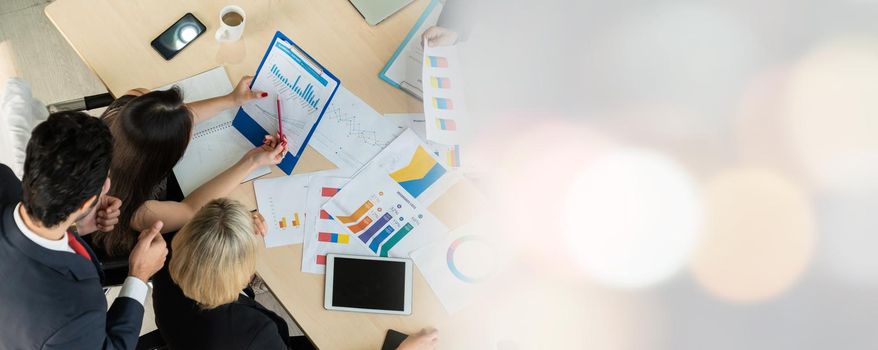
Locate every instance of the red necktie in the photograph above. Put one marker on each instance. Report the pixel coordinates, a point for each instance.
(77, 247)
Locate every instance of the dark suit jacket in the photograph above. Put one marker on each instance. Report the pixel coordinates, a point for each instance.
(242, 324)
(54, 300)
(10, 186)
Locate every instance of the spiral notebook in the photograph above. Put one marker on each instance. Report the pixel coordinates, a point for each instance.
(215, 145)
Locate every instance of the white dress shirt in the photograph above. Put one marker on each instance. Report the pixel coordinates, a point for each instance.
(132, 288)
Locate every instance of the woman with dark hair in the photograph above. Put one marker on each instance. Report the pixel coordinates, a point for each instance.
(152, 130)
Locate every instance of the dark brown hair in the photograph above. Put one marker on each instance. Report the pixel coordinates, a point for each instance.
(151, 132)
(66, 163)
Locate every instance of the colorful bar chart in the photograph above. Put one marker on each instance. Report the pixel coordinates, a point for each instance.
(454, 156)
(372, 230)
(396, 238)
(420, 173)
(306, 94)
(357, 213)
(324, 215)
(333, 237)
(443, 103)
(282, 223)
(380, 238)
(437, 61)
(361, 225)
(446, 124)
(440, 82)
(328, 191)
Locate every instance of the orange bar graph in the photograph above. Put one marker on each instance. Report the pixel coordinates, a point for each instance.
(357, 214)
(283, 222)
(296, 221)
(361, 225)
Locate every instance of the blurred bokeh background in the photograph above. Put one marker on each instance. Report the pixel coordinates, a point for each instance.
(680, 174)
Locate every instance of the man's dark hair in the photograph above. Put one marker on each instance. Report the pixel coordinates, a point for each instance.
(68, 158)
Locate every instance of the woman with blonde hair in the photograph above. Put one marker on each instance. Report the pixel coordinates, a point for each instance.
(201, 298)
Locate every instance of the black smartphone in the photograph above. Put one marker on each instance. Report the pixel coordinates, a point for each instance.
(178, 36)
(393, 339)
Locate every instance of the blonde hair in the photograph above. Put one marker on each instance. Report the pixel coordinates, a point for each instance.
(214, 255)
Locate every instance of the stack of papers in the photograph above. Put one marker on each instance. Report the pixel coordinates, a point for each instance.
(395, 193)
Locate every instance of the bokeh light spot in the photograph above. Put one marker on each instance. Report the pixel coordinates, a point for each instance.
(631, 218)
(829, 113)
(759, 236)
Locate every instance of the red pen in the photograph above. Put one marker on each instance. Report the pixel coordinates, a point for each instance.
(280, 124)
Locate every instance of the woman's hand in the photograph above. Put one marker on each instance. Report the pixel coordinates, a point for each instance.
(242, 93)
(259, 224)
(438, 36)
(270, 153)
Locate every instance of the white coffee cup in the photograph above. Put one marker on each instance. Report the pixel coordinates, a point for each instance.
(231, 24)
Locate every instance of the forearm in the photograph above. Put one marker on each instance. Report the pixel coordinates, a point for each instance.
(205, 109)
(221, 185)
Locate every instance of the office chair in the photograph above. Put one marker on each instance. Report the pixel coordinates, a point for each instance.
(82, 104)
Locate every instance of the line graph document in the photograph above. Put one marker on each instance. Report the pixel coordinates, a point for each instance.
(351, 133)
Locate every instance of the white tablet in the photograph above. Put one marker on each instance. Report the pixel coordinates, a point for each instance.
(368, 284)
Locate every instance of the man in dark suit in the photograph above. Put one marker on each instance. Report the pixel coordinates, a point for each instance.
(51, 293)
(10, 188)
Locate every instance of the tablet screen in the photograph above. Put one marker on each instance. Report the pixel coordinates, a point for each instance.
(368, 284)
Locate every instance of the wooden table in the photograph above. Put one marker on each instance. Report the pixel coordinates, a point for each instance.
(113, 36)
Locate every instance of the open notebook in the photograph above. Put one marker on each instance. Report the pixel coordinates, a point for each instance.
(215, 145)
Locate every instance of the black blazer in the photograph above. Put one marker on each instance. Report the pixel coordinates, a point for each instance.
(10, 186)
(242, 324)
(54, 300)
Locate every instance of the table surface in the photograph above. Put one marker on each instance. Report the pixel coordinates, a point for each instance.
(113, 37)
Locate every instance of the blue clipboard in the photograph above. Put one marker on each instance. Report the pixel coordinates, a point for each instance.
(255, 132)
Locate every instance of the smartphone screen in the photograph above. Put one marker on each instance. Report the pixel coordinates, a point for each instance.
(393, 339)
(178, 36)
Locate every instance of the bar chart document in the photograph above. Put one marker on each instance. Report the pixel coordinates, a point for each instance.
(444, 92)
(304, 88)
(380, 207)
(323, 233)
(281, 200)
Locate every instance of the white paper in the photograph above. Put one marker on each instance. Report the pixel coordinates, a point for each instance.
(414, 121)
(351, 133)
(323, 234)
(380, 206)
(449, 155)
(458, 265)
(444, 92)
(215, 145)
(281, 201)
